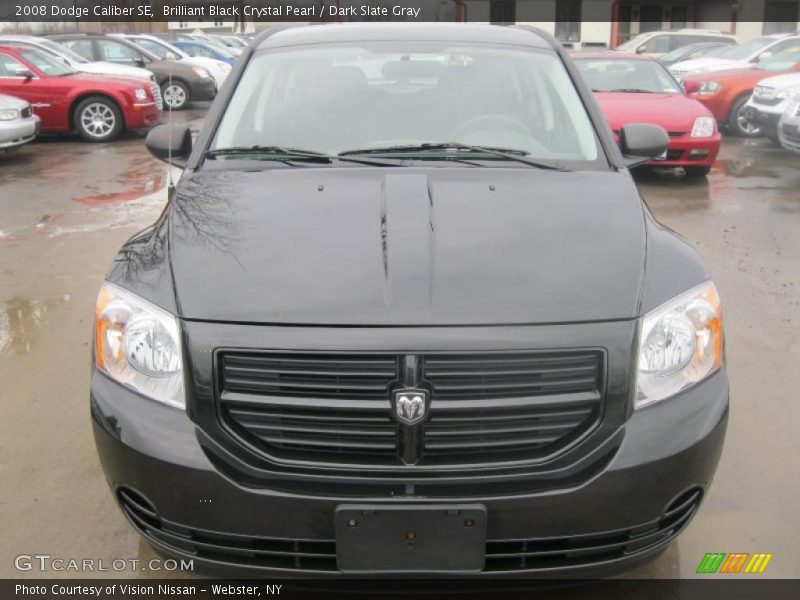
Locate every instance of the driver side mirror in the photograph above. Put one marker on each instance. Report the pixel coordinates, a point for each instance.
(641, 49)
(170, 56)
(23, 72)
(139, 62)
(763, 56)
(170, 143)
(641, 142)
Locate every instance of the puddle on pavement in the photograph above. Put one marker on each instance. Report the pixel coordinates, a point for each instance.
(21, 319)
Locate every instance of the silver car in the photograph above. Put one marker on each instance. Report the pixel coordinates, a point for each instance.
(18, 124)
(789, 127)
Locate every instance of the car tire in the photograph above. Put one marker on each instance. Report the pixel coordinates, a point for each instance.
(175, 94)
(696, 171)
(98, 119)
(737, 123)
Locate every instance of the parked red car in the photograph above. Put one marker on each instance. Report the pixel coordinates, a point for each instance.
(637, 89)
(98, 107)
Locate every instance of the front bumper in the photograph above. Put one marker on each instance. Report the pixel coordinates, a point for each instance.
(203, 89)
(690, 152)
(624, 515)
(768, 121)
(142, 115)
(789, 135)
(18, 132)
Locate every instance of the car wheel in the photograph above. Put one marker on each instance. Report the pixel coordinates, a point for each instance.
(175, 94)
(738, 123)
(696, 171)
(98, 119)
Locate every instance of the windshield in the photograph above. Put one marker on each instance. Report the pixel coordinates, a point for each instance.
(46, 64)
(160, 49)
(619, 75)
(62, 51)
(383, 95)
(632, 43)
(747, 49)
(782, 61)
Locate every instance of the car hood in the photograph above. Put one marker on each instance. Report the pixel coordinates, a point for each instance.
(447, 246)
(107, 68)
(9, 102)
(781, 82)
(105, 78)
(708, 64)
(673, 112)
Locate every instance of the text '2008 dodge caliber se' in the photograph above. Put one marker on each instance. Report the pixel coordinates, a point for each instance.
(407, 313)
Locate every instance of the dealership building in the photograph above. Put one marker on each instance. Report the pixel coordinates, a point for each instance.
(608, 23)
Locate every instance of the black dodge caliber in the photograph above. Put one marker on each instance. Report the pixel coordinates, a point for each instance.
(406, 313)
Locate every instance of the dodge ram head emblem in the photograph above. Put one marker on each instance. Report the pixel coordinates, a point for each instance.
(410, 406)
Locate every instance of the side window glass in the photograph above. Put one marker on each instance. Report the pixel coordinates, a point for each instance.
(81, 47)
(9, 66)
(116, 52)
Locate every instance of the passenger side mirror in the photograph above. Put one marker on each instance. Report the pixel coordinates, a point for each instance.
(139, 62)
(641, 142)
(763, 56)
(641, 49)
(171, 56)
(23, 72)
(691, 87)
(170, 143)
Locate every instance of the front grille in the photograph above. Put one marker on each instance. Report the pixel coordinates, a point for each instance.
(515, 555)
(477, 410)
(26, 112)
(767, 101)
(157, 95)
(336, 408)
(674, 154)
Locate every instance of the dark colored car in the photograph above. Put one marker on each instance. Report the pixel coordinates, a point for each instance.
(180, 83)
(97, 107)
(692, 51)
(406, 313)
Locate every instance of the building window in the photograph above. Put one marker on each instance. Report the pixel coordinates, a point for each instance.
(503, 11)
(218, 23)
(781, 16)
(183, 24)
(568, 20)
(680, 15)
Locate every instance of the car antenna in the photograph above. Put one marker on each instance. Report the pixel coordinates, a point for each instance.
(170, 181)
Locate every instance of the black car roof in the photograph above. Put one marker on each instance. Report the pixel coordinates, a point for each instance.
(435, 32)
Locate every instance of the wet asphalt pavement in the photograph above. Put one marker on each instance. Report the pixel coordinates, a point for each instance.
(66, 207)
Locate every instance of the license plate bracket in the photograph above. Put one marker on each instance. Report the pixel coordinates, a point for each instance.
(410, 539)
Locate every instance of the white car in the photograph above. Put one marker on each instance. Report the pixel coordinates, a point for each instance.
(657, 43)
(789, 127)
(770, 100)
(217, 68)
(18, 124)
(74, 60)
(738, 57)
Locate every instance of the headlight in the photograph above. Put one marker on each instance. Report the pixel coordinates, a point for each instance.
(224, 67)
(709, 87)
(9, 114)
(139, 345)
(140, 93)
(789, 93)
(680, 344)
(201, 72)
(703, 127)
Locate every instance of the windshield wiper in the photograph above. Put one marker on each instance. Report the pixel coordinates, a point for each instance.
(506, 153)
(633, 91)
(282, 154)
